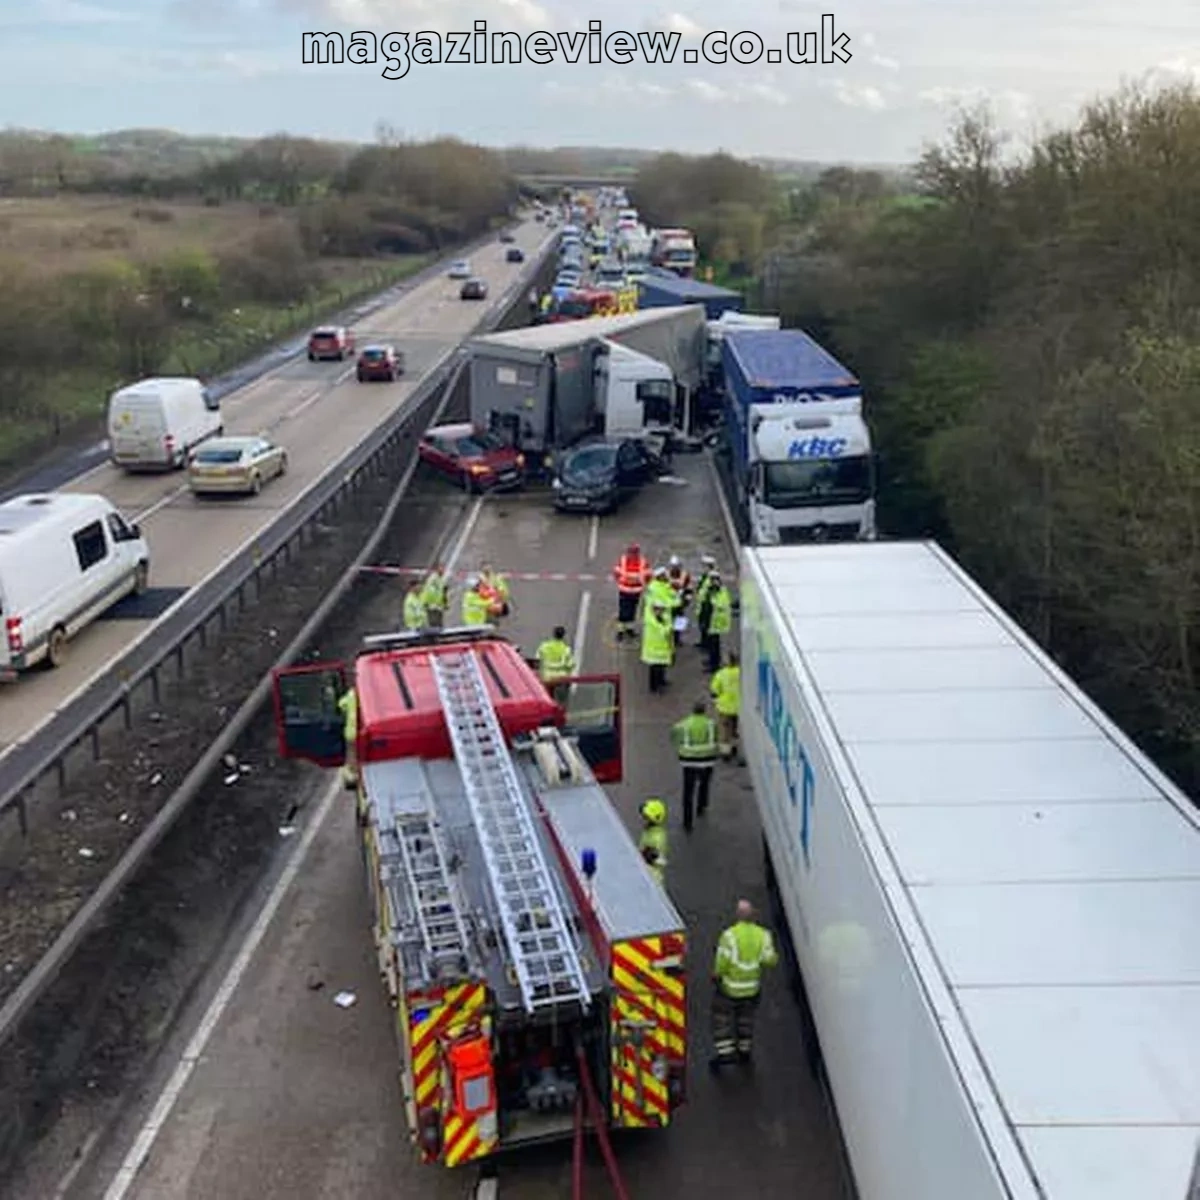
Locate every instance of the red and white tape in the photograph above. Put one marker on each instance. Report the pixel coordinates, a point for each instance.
(523, 576)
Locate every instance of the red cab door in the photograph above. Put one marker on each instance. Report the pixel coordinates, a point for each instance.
(308, 721)
(592, 704)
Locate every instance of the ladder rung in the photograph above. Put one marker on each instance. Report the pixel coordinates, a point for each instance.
(537, 932)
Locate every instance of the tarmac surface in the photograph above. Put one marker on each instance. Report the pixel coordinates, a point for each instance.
(270, 1089)
(316, 412)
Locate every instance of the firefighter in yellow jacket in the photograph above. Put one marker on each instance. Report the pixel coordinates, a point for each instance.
(743, 950)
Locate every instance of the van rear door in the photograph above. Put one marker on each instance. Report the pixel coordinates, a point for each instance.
(137, 431)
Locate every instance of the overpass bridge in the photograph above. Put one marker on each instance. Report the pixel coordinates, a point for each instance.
(595, 180)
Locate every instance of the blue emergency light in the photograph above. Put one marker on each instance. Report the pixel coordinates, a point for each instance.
(587, 861)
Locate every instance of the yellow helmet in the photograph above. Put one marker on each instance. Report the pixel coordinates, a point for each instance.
(654, 812)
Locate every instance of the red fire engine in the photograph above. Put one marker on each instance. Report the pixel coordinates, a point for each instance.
(532, 958)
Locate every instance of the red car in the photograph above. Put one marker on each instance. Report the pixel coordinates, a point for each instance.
(380, 362)
(330, 341)
(476, 460)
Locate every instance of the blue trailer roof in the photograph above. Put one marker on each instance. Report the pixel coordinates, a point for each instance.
(687, 289)
(778, 358)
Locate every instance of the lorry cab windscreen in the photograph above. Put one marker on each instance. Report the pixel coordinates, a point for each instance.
(816, 484)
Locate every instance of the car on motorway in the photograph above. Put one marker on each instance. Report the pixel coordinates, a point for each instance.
(65, 559)
(459, 269)
(599, 474)
(380, 363)
(476, 460)
(515, 255)
(330, 341)
(473, 289)
(609, 275)
(507, 237)
(154, 423)
(235, 464)
(568, 277)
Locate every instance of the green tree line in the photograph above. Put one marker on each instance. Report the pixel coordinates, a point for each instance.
(304, 209)
(1027, 326)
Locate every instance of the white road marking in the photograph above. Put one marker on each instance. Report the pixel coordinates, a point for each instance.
(160, 503)
(581, 622)
(82, 1156)
(194, 1051)
(460, 543)
(593, 536)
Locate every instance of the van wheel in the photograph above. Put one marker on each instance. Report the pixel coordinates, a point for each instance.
(141, 578)
(220, 431)
(56, 648)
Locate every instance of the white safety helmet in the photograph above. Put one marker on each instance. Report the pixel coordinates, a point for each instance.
(673, 561)
(707, 560)
(660, 572)
(472, 581)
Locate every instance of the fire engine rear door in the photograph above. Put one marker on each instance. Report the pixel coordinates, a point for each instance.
(307, 718)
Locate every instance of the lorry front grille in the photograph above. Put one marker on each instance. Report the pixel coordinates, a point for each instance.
(845, 532)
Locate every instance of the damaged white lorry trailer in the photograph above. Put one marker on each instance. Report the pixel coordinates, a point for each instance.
(991, 893)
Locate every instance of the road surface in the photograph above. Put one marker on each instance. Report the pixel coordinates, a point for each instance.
(273, 1090)
(317, 411)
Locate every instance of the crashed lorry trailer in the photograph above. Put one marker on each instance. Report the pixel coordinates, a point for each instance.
(534, 963)
(990, 893)
(545, 387)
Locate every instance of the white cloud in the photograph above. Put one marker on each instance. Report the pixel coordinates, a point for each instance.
(867, 39)
(1176, 70)
(1007, 103)
(682, 25)
(73, 12)
(434, 15)
(882, 60)
(622, 88)
(611, 87)
(737, 93)
(859, 96)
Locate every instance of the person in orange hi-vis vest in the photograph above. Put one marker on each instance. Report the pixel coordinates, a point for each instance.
(632, 573)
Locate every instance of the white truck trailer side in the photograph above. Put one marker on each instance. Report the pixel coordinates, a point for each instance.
(991, 894)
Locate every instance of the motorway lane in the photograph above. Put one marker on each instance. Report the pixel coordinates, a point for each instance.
(295, 1096)
(318, 411)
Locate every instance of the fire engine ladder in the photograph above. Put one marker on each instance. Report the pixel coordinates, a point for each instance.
(439, 923)
(539, 936)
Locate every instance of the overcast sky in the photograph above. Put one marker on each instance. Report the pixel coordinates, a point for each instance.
(235, 66)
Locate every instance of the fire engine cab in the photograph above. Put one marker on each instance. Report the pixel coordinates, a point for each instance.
(533, 961)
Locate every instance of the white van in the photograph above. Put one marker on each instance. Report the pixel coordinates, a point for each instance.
(64, 560)
(154, 423)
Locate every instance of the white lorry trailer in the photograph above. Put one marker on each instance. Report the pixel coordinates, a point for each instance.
(991, 894)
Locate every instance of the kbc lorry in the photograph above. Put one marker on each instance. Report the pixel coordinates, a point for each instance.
(797, 448)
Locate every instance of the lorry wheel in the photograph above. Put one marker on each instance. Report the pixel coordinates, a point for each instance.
(56, 649)
(141, 578)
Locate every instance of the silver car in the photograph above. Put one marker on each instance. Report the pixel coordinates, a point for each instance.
(235, 464)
